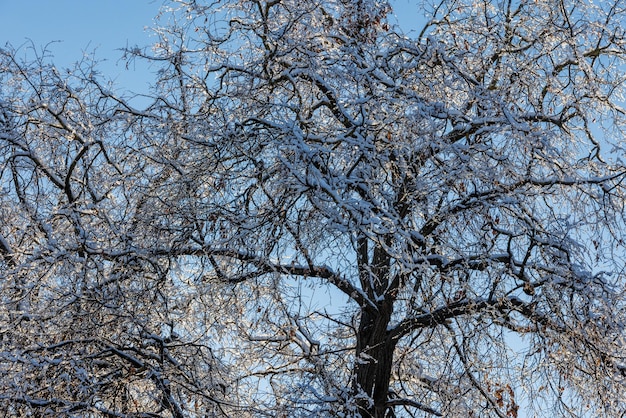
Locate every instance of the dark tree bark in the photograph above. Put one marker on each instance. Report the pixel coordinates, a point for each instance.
(374, 354)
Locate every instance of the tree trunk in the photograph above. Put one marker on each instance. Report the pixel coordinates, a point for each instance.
(374, 359)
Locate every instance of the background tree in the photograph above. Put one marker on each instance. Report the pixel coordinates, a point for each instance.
(319, 216)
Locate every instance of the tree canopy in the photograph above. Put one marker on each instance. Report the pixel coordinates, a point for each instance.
(315, 214)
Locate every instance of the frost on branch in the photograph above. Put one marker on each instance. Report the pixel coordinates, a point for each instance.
(316, 215)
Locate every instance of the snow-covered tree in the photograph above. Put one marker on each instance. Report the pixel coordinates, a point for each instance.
(318, 215)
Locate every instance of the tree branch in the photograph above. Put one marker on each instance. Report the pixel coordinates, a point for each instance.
(440, 315)
(408, 402)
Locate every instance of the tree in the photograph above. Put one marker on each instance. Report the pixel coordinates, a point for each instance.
(317, 215)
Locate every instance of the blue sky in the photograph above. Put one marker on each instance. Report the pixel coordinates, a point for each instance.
(104, 26)
(70, 28)
(78, 24)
